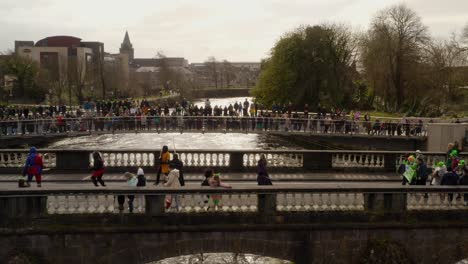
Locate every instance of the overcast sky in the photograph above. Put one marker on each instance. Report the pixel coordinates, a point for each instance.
(237, 30)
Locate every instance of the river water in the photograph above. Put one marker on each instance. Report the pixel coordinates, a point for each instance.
(181, 141)
(222, 258)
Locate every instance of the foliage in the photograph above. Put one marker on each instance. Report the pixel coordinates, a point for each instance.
(311, 65)
(25, 71)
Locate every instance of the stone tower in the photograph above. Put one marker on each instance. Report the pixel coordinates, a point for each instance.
(126, 47)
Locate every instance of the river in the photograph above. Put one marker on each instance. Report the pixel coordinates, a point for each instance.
(222, 258)
(180, 141)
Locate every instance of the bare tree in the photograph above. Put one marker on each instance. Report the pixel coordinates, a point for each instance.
(392, 50)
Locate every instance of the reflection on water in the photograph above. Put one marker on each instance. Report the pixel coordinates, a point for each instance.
(222, 258)
(181, 141)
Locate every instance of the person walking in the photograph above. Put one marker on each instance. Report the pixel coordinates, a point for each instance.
(179, 165)
(141, 178)
(131, 181)
(421, 171)
(33, 167)
(98, 169)
(172, 182)
(262, 174)
(164, 158)
(215, 182)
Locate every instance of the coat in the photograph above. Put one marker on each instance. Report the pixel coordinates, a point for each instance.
(173, 179)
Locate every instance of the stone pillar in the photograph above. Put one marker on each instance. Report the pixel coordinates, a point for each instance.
(236, 161)
(390, 162)
(22, 207)
(317, 161)
(76, 161)
(266, 204)
(385, 202)
(155, 204)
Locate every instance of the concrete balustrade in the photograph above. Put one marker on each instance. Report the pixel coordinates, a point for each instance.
(121, 160)
(260, 200)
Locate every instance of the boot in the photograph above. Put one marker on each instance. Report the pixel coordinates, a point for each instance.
(93, 179)
(101, 181)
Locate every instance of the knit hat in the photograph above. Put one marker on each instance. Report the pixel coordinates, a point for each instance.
(440, 164)
(140, 172)
(454, 153)
(461, 164)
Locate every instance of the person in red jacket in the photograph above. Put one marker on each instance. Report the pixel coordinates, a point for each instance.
(33, 167)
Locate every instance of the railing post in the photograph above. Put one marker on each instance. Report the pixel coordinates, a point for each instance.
(390, 162)
(19, 207)
(317, 161)
(236, 161)
(154, 204)
(72, 160)
(385, 202)
(266, 204)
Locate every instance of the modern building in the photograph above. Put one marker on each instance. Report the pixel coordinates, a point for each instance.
(59, 55)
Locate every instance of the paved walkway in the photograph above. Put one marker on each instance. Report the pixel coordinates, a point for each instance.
(110, 185)
(229, 177)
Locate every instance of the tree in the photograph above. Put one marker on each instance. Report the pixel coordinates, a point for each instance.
(310, 65)
(392, 51)
(25, 71)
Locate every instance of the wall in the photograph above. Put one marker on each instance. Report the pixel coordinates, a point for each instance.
(440, 135)
(327, 243)
(34, 53)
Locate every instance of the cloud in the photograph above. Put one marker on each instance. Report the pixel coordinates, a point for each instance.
(234, 30)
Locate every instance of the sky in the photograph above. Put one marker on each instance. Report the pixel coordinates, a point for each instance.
(236, 30)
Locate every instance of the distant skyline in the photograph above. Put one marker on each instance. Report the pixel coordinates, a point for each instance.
(241, 30)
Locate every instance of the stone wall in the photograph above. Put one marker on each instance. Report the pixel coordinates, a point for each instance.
(303, 238)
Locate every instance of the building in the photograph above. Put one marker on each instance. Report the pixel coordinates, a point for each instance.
(59, 55)
(127, 48)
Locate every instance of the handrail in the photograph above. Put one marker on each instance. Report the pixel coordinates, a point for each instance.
(124, 190)
(229, 151)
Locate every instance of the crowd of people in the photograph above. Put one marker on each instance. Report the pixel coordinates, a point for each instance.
(451, 171)
(135, 115)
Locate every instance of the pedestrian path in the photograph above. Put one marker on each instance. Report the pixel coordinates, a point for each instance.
(197, 177)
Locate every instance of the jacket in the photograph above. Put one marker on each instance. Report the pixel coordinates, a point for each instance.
(179, 165)
(449, 178)
(173, 179)
(34, 163)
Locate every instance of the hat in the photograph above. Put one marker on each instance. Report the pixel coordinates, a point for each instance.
(461, 163)
(440, 164)
(140, 171)
(454, 153)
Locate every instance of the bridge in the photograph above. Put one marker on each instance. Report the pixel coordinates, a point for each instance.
(207, 124)
(306, 220)
(309, 223)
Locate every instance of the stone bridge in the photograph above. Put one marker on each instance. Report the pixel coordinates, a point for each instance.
(304, 224)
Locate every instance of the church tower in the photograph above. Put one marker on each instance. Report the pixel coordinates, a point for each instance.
(126, 47)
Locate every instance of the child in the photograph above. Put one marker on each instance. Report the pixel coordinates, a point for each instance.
(141, 178)
(215, 182)
(132, 181)
(98, 169)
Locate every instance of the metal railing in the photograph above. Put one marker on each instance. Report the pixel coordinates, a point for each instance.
(208, 124)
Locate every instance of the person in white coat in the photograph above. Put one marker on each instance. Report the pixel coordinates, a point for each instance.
(172, 181)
